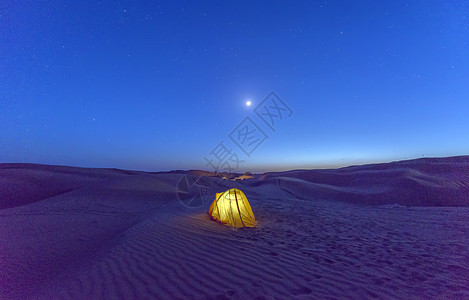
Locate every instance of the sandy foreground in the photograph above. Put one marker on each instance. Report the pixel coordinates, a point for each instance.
(387, 231)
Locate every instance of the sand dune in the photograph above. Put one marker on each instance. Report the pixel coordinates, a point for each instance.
(114, 234)
(422, 182)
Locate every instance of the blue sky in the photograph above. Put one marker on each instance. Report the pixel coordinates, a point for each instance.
(155, 85)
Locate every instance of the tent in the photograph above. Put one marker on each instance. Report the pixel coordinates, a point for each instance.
(232, 208)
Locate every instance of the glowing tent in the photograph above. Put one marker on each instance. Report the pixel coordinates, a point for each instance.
(232, 208)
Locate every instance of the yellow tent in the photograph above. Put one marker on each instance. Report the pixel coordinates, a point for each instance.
(232, 208)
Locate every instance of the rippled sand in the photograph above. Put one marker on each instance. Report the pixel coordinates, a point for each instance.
(75, 233)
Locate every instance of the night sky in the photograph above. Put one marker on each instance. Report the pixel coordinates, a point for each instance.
(152, 85)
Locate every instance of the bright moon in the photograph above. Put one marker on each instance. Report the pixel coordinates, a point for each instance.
(248, 103)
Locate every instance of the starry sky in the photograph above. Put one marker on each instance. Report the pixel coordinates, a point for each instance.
(161, 85)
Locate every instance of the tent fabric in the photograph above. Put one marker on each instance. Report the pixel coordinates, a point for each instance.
(232, 208)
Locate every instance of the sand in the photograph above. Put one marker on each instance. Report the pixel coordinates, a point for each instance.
(387, 231)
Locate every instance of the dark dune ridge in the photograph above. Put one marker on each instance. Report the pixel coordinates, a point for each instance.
(21, 184)
(419, 182)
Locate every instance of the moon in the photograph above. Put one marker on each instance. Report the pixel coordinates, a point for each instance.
(248, 103)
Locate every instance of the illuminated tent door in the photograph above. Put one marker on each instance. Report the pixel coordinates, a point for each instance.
(232, 208)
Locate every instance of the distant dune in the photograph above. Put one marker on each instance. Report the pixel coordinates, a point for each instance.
(419, 182)
(384, 231)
